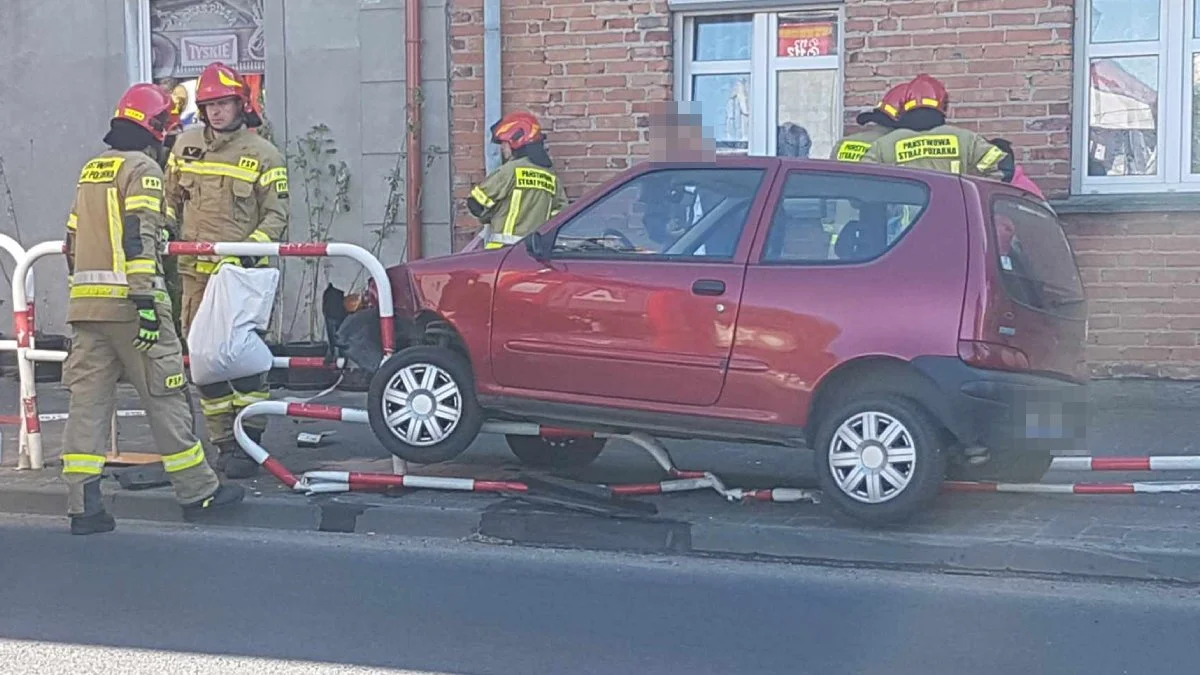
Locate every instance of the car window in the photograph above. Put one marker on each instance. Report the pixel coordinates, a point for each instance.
(829, 218)
(1036, 262)
(673, 213)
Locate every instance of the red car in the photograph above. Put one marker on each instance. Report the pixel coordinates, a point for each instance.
(898, 322)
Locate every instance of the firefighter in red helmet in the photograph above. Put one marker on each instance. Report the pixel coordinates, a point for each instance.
(524, 192)
(925, 141)
(120, 316)
(882, 119)
(227, 184)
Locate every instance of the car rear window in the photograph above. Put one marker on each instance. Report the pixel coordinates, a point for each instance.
(1036, 262)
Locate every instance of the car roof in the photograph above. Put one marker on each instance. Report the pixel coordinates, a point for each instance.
(812, 164)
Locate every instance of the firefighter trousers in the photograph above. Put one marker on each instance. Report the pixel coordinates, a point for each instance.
(222, 401)
(101, 353)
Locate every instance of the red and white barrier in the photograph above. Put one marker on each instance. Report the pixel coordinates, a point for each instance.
(1164, 487)
(316, 482)
(1151, 463)
(31, 455)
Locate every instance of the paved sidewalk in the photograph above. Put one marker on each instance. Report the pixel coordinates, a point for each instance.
(1145, 537)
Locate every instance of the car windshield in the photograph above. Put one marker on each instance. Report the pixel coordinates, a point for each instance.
(672, 212)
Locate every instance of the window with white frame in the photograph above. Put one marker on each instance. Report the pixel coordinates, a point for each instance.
(1139, 84)
(765, 83)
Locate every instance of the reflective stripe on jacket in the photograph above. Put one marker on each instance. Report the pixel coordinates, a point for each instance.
(518, 198)
(226, 187)
(113, 233)
(945, 148)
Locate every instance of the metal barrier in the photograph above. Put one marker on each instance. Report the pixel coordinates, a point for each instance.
(31, 455)
(315, 482)
(14, 249)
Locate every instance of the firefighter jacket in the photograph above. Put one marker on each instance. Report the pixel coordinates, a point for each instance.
(942, 148)
(225, 187)
(853, 147)
(516, 199)
(113, 234)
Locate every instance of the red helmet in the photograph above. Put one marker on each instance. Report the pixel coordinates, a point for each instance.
(926, 92)
(518, 129)
(219, 81)
(147, 105)
(893, 101)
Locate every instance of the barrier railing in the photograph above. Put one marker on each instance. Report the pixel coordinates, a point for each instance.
(14, 249)
(31, 454)
(316, 482)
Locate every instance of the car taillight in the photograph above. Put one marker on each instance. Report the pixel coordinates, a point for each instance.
(992, 356)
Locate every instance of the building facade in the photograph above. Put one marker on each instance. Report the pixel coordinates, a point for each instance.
(1098, 96)
(331, 75)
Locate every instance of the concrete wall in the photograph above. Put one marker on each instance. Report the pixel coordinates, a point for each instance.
(63, 65)
(344, 67)
(341, 64)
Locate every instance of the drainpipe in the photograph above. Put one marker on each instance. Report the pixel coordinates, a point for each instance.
(415, 168)
(491, 80)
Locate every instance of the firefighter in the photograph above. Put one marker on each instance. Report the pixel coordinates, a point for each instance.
(925, 141)
(524, 192)
(121, 318)
(883, 119)
(226, 183)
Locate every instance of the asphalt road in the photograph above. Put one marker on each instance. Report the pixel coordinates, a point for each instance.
(230, 601)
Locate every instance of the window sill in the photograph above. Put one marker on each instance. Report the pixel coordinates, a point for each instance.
(1150, 202)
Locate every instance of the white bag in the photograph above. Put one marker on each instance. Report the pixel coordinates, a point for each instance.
(222, 342)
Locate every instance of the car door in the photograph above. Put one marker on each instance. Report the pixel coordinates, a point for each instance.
(638, 295)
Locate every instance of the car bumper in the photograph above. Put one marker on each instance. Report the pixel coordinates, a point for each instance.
(1005, 411)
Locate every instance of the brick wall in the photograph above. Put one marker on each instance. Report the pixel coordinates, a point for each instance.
(588, 68)
(1143, 279)
(1007, 64)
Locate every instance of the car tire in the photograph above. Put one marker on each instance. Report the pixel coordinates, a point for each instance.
(888, 488)
(436, 388)
(568, 452)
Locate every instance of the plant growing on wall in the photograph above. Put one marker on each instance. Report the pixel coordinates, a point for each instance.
(396, 197)
(326, 184)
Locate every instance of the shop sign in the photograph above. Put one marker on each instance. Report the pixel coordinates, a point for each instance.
(808, 38)
(201, 51)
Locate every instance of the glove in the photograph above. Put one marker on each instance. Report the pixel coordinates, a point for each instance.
(147, 322)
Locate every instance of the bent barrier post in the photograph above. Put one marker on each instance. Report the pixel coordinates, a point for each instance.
(315, 482)
(31, 455)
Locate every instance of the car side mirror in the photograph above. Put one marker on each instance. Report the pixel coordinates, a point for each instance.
(538, 245)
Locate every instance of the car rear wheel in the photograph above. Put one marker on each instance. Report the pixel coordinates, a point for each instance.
(569, 452)
(422, 407)
(880, 458)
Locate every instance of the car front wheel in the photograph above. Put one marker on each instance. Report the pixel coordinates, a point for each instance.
(880, 459)
(422, 407)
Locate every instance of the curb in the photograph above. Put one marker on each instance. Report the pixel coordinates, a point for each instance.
(319, 514)
(956, 553)
(414, 515)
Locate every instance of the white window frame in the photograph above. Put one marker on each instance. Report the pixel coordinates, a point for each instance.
(1174, 49)
(764, 66)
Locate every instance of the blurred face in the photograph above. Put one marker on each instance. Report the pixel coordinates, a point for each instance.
(224, 114)
(506, 151)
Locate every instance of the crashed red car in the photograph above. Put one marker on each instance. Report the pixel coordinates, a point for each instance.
(895, 321)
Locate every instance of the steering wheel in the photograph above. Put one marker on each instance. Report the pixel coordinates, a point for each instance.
(620, 236)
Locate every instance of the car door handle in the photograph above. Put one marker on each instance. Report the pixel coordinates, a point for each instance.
(708, 287)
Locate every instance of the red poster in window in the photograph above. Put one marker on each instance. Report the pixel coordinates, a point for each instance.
(810, 38)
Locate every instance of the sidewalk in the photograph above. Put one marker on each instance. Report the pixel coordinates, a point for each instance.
(1145, 537)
